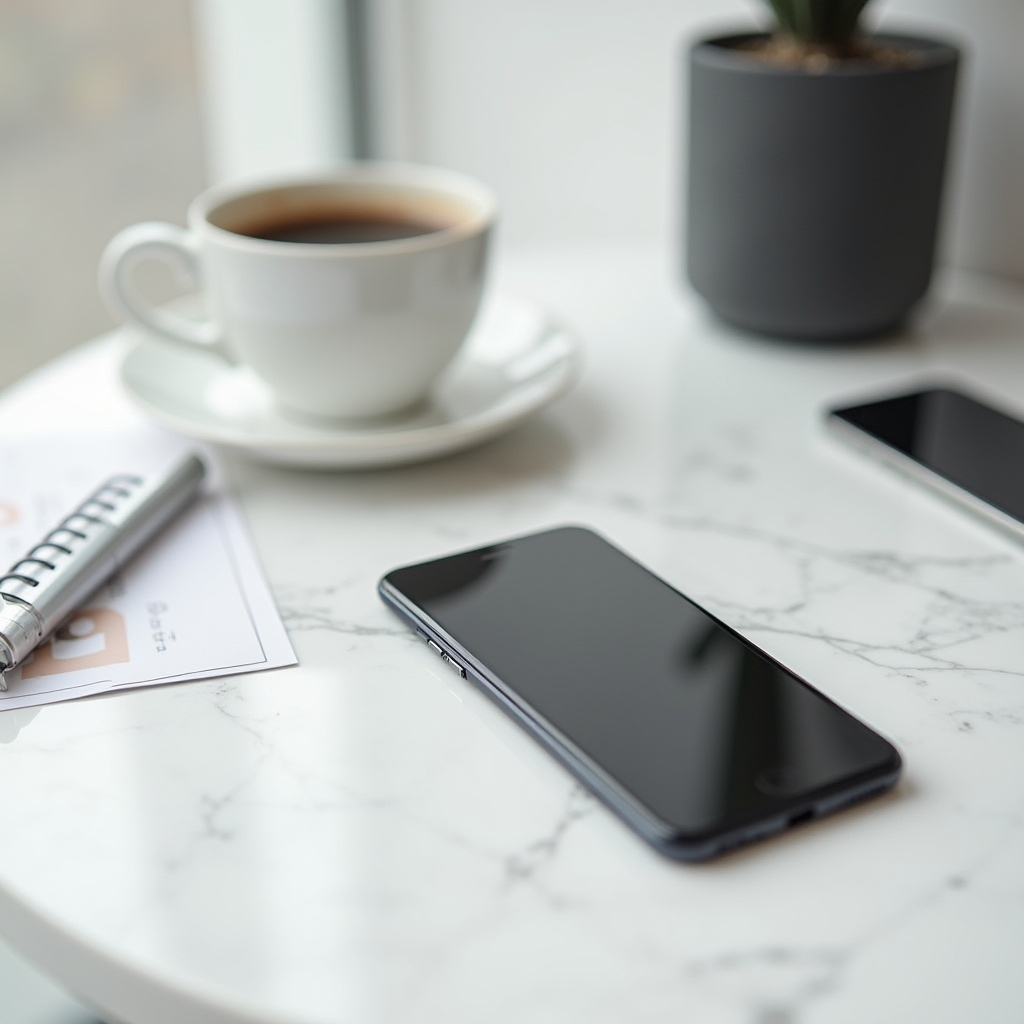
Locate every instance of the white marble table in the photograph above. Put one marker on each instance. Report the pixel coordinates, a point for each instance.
(365, 839)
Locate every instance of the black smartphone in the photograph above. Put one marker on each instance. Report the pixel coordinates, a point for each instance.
(694, 736)
(956, 443)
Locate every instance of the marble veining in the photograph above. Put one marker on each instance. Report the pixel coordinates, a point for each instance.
(527, 865)
(366, 837)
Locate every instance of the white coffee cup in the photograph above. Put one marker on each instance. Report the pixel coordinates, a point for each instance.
(360, 322)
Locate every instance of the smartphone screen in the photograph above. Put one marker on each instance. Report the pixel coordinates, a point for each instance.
(693, 735)
(966, 448)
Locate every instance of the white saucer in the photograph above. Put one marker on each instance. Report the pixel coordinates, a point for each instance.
(517, 360)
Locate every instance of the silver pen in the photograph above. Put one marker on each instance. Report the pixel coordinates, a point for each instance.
(74, 559)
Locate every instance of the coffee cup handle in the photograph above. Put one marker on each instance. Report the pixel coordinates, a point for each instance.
(169, 244)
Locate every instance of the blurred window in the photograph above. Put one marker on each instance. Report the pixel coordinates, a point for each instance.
(99, 127)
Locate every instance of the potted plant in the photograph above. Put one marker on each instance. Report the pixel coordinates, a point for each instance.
(817, 157)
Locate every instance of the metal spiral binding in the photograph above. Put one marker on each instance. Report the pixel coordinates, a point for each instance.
(45, 586)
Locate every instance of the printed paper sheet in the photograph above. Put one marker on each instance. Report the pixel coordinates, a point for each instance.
(193, 604)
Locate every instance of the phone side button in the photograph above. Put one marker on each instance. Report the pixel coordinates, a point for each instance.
(453, 664)
(436, 648)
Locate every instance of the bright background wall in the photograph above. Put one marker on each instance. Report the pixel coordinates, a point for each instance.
(575, 109)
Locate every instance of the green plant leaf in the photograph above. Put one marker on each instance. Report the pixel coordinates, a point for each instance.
(831, 23)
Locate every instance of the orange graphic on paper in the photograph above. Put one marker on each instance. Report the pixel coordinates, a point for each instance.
(9, 513)
(91, 638)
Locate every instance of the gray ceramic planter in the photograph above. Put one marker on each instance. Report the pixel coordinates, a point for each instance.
(814, 198)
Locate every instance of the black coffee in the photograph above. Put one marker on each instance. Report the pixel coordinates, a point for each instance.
(341, 227)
